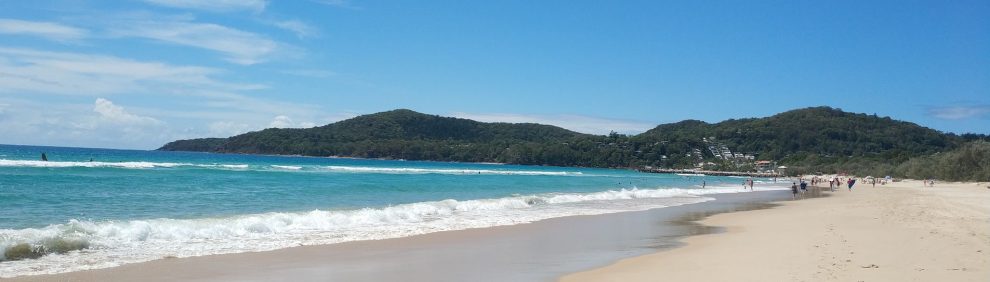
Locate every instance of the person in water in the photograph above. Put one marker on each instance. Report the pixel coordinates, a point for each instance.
(44, 158)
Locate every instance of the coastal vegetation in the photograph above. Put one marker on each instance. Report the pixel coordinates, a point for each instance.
(819, 139)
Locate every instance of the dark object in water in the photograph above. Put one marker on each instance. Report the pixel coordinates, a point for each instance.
(45, 247)
(21, 251)
(44, 157)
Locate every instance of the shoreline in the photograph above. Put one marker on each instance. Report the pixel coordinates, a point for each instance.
(542, 250)
(901, 231)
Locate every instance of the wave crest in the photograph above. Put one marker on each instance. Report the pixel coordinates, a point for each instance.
(341, 169)
(404, 170)
(109, 243)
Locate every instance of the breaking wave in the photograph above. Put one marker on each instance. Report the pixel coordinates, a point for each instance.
(339, 169)
(404, 170)
(85, 244)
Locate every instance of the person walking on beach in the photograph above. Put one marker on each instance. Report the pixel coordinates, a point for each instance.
(804, 187)
(851, 182)
(794, 189)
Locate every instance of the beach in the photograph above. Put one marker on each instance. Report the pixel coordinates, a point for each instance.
(164, 216)
(540, 251)
(901, 231)
(895, 232)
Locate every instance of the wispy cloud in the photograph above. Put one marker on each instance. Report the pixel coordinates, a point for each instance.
(31, 71)
(117, 115)
(301, 29)
(579, 123)
(960, 112)
(239, 47)
(47, 30)
(256, 6)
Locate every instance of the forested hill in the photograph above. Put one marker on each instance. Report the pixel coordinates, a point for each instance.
(820, 131)
(401, 134)
(815, 139)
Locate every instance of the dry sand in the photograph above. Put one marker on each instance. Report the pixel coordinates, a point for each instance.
(896, 232)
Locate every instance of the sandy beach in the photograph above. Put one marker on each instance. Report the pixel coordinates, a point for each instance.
(896, 232)
(540, 251)
(901, 231)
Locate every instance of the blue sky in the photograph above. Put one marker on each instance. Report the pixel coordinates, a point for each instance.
(137, 74)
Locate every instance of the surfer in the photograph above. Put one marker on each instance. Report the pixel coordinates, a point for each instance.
(44, 158)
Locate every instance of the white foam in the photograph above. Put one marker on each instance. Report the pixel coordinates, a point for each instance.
(236, 166)
(132, 165)
(31, 163)
(406, 170)
(113, 243)
(349, 169)
(288, 167)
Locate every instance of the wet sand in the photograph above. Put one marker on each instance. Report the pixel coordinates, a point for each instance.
(541, 251)
(896, 232)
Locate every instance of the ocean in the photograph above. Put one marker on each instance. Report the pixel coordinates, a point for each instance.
(98, 208)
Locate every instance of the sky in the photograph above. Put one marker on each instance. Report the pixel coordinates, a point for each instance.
(138, 74)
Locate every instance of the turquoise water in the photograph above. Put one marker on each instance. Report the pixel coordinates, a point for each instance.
(95, 208)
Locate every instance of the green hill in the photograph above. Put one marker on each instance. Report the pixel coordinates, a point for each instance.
(813, 133)
(399, 134)
(819, 139)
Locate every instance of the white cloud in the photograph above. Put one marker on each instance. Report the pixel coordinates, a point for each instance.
(239, 47)
(100, 124)
(579, 123)
(214, 5)
(47, 30)
(228, 128)
(30, 71)
(301, 29)
(282, 121)
(960, 112)
(117, 115)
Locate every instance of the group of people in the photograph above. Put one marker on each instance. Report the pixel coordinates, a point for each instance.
(803, 185)
(833, 182)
